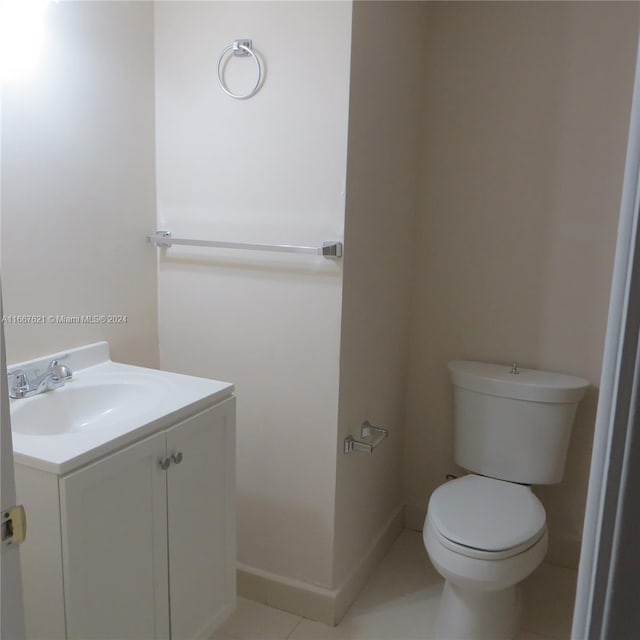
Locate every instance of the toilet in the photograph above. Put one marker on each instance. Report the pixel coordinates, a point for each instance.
(485, 532)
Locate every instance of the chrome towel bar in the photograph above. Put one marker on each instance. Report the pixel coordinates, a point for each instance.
(330, 249)
(367, 430)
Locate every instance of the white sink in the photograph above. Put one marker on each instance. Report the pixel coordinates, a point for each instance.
(78, 406)
(106, 406)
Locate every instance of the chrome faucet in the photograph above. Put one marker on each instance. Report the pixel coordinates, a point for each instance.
(20, 386)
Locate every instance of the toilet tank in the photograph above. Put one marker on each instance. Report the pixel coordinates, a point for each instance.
(513, 426)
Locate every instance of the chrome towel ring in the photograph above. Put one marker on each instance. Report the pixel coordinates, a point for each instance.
(241, 49)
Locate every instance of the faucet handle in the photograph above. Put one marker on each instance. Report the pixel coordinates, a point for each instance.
(18, 383)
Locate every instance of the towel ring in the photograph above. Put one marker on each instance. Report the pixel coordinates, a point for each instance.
(240, 48)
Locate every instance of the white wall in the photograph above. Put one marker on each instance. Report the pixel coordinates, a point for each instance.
(268, 169)
(526, 118)
(382, 195)
(78, 192)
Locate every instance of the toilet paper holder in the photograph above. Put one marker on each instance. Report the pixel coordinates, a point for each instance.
(367, 430)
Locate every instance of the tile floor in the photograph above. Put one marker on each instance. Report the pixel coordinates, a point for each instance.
(399, 603)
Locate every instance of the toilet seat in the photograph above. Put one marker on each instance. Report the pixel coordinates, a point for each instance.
(482, 517)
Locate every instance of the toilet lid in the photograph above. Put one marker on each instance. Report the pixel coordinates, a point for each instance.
(487, 514)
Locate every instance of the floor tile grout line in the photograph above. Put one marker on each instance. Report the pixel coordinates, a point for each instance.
(294, 628)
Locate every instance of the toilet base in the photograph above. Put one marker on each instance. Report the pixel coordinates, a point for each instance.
(466, 614)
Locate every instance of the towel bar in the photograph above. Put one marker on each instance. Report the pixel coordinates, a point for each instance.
(329, 249)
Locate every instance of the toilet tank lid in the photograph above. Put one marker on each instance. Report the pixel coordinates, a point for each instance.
(485, 513)
(527, 384)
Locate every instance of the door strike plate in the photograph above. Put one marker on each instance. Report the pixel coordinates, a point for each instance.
(13, 526)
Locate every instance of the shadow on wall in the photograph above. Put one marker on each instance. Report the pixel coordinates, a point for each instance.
(565, 502)
(227, 265)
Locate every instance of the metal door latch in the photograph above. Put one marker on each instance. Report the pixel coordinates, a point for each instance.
(13, 526)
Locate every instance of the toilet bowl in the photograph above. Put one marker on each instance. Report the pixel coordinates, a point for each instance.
(484, 536)
(486, 532)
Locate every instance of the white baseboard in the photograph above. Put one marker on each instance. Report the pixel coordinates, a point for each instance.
(311, 601)
(303, 599)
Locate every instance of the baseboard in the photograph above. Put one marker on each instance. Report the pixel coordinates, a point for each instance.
(303, 599)
(311, 601)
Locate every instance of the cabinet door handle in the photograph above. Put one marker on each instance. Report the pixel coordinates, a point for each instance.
(164, 463)
(177, 457)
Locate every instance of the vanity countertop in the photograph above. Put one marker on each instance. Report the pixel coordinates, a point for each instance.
(105, 406)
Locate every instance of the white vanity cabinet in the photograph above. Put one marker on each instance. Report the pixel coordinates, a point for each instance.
(139, 544)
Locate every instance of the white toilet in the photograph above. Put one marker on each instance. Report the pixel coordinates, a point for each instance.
(485, 532)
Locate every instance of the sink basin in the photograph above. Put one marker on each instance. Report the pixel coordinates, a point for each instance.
(80, 407)
(106, 406)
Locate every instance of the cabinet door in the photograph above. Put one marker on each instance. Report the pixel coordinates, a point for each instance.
(114, 533)
(202, 521)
